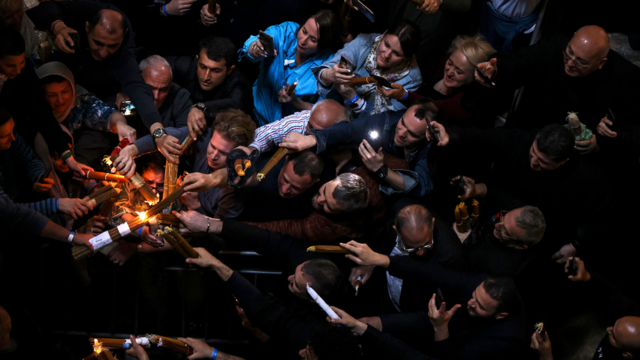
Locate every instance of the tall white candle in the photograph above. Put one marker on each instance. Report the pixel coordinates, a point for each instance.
(314, 295)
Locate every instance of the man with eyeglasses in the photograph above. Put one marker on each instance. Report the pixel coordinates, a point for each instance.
(501, 245)
(582, 75)
(414, 234)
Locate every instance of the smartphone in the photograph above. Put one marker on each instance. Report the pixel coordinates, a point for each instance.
(484, 76)
(44, 176)
(459, 185)
(439, 298)
(364, 10)
(573, 267)
(611, 117)
(347, 64)
(127, 108)
(267, 41)
(75, 37)
(432, 130)
(382, 81)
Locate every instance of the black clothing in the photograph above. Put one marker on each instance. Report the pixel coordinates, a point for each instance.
(486, 254)
(104, 78)
(470, 337)
(23, 97)
(234, 93)
(579, 184)
(550, 93)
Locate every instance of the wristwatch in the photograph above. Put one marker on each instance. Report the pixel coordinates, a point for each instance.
(200, 106)
(158, 133)
(381, 173)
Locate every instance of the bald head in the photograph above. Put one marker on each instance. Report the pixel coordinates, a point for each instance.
(413, 218)
(588, 51)
(110, 20)
(106, 32)
(625, 334)
(327, 113)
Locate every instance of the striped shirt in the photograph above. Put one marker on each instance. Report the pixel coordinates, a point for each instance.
(19, 158)
(273, 133)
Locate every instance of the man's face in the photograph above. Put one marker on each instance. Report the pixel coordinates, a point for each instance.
(507, 229)
(13, 17)
(308, 354)
(298, 282)
(623, 335)
(211, 73)
(159, 79)
(59, 96)
(540, 161)
(154, 177)
(11, 65)
(481, 305)
(389, 53)
(219, 148)
(6, 135)
(410, 131)
(324, 201)
(581, 58)
(290, 184)
(415, 238)
(101, 43)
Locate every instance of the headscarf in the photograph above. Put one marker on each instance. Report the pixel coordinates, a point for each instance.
(382, 103)
(60, 69)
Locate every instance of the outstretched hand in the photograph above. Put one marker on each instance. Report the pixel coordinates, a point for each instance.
(363, 255)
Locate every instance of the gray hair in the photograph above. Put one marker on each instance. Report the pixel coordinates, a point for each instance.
(155, 60)
(352, 193)
(531, 220)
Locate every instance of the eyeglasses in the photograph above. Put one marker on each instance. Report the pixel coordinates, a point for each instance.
(499, 219)
(579, 63)
(412, 250)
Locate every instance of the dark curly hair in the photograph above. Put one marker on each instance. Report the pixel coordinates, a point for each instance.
(556, 141)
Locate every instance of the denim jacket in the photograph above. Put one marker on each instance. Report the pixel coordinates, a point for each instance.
(357, 52)
(349, 135)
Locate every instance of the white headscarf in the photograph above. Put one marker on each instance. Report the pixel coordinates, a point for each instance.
(60, 69)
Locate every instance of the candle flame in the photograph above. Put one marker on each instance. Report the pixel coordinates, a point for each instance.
(142, 215)
(107, 160)
(151, 203)
(97, 347)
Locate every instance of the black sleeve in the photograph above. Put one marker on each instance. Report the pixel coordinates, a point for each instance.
(418, 321)
(181, 107)
(72, 13)
(180, 66)
(490, 142)
(268, 243)
(267, 314)
(239, 95)
(389, 347)
(607, 296)
(21, 218)
(349, 134)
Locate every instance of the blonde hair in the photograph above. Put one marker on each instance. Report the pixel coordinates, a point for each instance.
(474, 48)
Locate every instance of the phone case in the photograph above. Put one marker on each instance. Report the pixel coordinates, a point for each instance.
(267, 42)
(346, 64)
(365, 10)
(382, 81)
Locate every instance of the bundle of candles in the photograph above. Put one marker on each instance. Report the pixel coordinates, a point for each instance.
(171, 169)
(579, 130)
(124, 229)
(272, 162)
(332, 249)
(462, 216)
(346, 13)
(96, 175)
(99, 353)
(327, 309)
(172, 344)
(136, 179)
(102, 195)
(120, 343)
(362, 81)
(168, 220)
(179, 244)
(475, 211)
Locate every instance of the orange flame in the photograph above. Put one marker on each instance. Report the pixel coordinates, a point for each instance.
(97, 347)
(142, 215)
(107, 160)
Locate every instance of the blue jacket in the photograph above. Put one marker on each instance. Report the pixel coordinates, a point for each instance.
(350, 134)
(274, 74)
(357, 52)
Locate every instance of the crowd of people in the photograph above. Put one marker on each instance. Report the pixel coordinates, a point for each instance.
(466, 176)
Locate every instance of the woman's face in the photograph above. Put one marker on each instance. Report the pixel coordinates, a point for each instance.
(389, 52)
(458, 71)
(308, 38)
(59, 96)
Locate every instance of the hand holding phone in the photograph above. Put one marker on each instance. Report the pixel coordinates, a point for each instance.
(75, 37)
(267, 42)
(382, 81)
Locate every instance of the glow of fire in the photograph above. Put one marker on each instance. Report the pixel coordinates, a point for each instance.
(97, 347)
(107, 160)
(154, 202)
(142, 214)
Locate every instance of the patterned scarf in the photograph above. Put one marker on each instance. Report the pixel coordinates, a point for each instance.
(394, 74)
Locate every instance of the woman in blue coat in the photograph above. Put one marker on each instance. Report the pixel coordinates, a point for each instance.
(296, 50)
